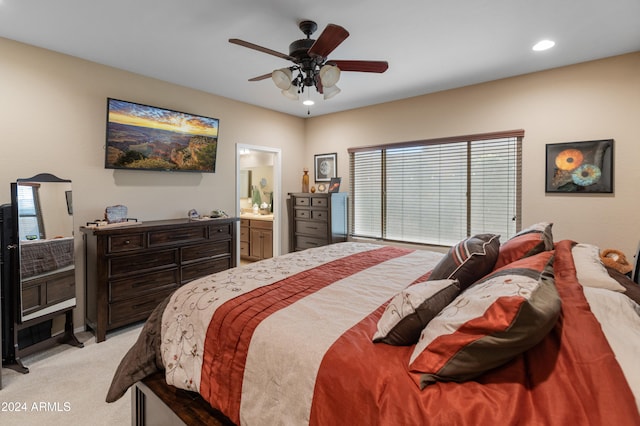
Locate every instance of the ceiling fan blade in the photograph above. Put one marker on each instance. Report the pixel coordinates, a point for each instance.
(260, 48)
(261, 77)
(318, 83)
(330, 38)
(361, 66)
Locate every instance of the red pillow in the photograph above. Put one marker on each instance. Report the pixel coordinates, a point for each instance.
(528, 242)
(502, 315)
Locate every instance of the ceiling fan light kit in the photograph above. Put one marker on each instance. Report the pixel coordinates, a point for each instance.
(310, 58)
(282, 78)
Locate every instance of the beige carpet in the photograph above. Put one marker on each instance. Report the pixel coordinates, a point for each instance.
(67, 385)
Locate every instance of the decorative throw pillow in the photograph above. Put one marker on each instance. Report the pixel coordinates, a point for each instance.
(532, 240)
(410, 310)
(469, 260)
(491, 322)
(632, 290)
(590, 270)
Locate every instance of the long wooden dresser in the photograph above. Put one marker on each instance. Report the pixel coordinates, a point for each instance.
(317, 219)
(130, 269)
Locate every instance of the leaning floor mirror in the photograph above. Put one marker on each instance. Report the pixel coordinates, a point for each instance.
(46, 245)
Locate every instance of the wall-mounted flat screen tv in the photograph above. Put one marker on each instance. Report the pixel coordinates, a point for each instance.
(143, 137)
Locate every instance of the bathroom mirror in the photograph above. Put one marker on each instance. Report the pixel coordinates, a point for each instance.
(245, 183)
(44, 210)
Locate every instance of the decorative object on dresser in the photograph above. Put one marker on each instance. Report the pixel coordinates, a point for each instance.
(317, 219)
(40, 284)
(131, 269)
(305, 180)
(256, 238)
(334, 186)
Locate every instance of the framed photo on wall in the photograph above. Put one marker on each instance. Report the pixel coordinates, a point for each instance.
(326, 167)
(580, 167)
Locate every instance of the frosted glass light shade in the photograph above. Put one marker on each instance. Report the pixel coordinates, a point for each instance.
(291, 92)
(330, 92)
(282, 78)
(329, 75)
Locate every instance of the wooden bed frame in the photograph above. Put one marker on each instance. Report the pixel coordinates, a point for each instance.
(155, 403)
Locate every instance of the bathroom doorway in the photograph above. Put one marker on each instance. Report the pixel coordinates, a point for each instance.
(259, 202)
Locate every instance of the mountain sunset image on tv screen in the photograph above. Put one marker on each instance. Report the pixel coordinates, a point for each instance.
(143, 137)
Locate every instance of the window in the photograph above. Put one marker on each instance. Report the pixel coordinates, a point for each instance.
(437, 191)
(29, 213)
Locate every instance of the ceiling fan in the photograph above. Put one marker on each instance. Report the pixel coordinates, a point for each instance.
(311, 63)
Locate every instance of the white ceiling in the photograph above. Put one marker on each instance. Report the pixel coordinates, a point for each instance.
(431, 45)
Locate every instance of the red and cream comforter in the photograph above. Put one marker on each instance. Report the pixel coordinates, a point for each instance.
(287, 341)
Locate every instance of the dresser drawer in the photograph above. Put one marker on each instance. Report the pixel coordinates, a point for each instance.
(200, 269)
(221, 231)
(303, 201)
(203, 251)
(261, 224)
(176, 236)
(311, 228)
(128, 288)
(142, 262)
(319, 202)
(319, 214)
(303, 214)
(303, 242)
(128, 242)
(132, 310)
(61, 287)
(41, 292)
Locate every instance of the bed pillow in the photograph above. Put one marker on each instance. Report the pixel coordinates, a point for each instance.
(632, 290)
(487, 325)
(590, 270)
(528, 242)
(409, 311)
(469, 260)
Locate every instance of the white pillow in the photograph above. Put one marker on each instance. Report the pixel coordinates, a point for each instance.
(590, 270)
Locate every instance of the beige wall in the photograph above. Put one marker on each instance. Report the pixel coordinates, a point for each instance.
(53, 116)
(595, 100)
(52, 119)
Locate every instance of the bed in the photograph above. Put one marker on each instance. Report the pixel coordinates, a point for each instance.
(363, 334)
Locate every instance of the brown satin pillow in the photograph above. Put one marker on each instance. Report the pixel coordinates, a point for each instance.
(469, 260)
(632, 290)
(410, 311)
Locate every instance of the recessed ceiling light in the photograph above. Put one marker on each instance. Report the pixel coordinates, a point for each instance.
(544, 45)
(308, 102)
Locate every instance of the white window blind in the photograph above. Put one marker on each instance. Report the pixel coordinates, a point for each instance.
(437, 192)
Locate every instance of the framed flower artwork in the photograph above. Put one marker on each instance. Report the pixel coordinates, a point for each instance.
(580, 167)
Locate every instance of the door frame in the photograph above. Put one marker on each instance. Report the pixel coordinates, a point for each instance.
(278, 208)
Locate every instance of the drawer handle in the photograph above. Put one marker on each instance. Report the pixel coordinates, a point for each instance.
(312, 227)
(127, 242)
(152, 304)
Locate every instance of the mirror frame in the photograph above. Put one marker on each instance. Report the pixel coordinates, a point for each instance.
(17, 269)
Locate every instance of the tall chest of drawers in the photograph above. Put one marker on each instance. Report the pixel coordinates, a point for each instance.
(131, 269)
(317, 219)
